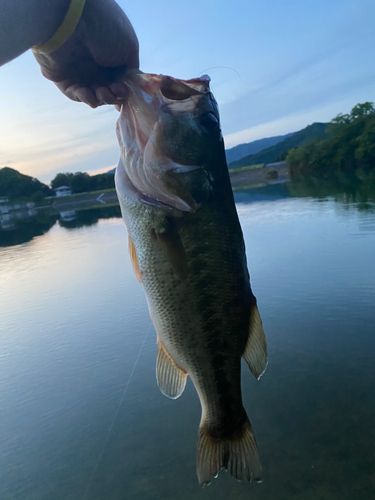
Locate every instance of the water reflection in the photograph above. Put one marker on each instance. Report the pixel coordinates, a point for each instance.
(89, 217)
(73, 320)
(21, 226)
(68, 216)
(347, 190)
(351, 194)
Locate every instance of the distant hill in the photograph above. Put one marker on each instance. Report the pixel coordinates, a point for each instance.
(278, 151)
(15, 185)
(251, 148)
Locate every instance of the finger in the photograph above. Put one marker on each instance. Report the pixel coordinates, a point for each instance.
(115, 94)
(77, 93)
(67, 90)
(119, 90)
(105, 96)
(118, 107)
(84, 94)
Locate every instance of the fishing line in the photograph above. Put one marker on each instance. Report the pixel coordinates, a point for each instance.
(114, 418)
(221, 67)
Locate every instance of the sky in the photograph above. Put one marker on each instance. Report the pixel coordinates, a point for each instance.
(276, 67)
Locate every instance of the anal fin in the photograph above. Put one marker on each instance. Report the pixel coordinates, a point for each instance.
(134, 260)
(255, 353)
(170, 377)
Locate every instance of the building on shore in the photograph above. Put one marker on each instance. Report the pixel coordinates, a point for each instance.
(63, 191)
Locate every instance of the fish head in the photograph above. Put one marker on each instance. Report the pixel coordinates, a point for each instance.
(169, 135)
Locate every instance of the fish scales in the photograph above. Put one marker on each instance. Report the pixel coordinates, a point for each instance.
(189, 255)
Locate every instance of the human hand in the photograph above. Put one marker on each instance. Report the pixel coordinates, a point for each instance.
(89, 64)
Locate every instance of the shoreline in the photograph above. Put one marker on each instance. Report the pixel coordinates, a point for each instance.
(243, 178)
(261, 175)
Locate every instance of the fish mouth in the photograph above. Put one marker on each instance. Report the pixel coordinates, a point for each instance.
(146, 161)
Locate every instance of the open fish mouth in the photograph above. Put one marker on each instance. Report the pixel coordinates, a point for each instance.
(158, 114)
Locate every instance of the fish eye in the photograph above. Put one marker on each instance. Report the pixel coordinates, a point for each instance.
(209, 122)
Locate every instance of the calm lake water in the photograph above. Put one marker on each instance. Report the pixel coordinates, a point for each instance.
(81, 415)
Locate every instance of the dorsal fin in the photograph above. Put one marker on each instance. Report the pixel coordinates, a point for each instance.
(134, 260)
(255, 353)
(171, 378)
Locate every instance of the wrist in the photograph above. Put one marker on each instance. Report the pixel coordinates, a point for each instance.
(65, 30)
(50, 15)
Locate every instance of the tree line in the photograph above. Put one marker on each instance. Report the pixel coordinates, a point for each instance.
(14, 185)
(17, 186)
(349, 147)
(81, 182)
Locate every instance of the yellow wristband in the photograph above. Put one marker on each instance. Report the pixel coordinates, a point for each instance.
(65, 30)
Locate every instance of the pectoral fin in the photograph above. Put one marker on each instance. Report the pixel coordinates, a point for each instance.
(173, 249)
(191, 184)
(171, 378)
(255, 353)
(134, 260)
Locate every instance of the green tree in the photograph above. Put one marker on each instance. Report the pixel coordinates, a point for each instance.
(15, 185)
(37, 197)
(365, 151)
(361, 110)
(81, 182)
(62, 179)
(349, 146)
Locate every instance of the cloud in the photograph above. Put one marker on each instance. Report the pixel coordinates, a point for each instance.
(287, 124)
(40, 141)
(101, 170)
(302, 93)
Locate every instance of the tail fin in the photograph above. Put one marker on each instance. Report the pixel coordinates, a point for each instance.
(238, 455)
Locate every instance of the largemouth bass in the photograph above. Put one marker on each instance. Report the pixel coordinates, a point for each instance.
(187, 249)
